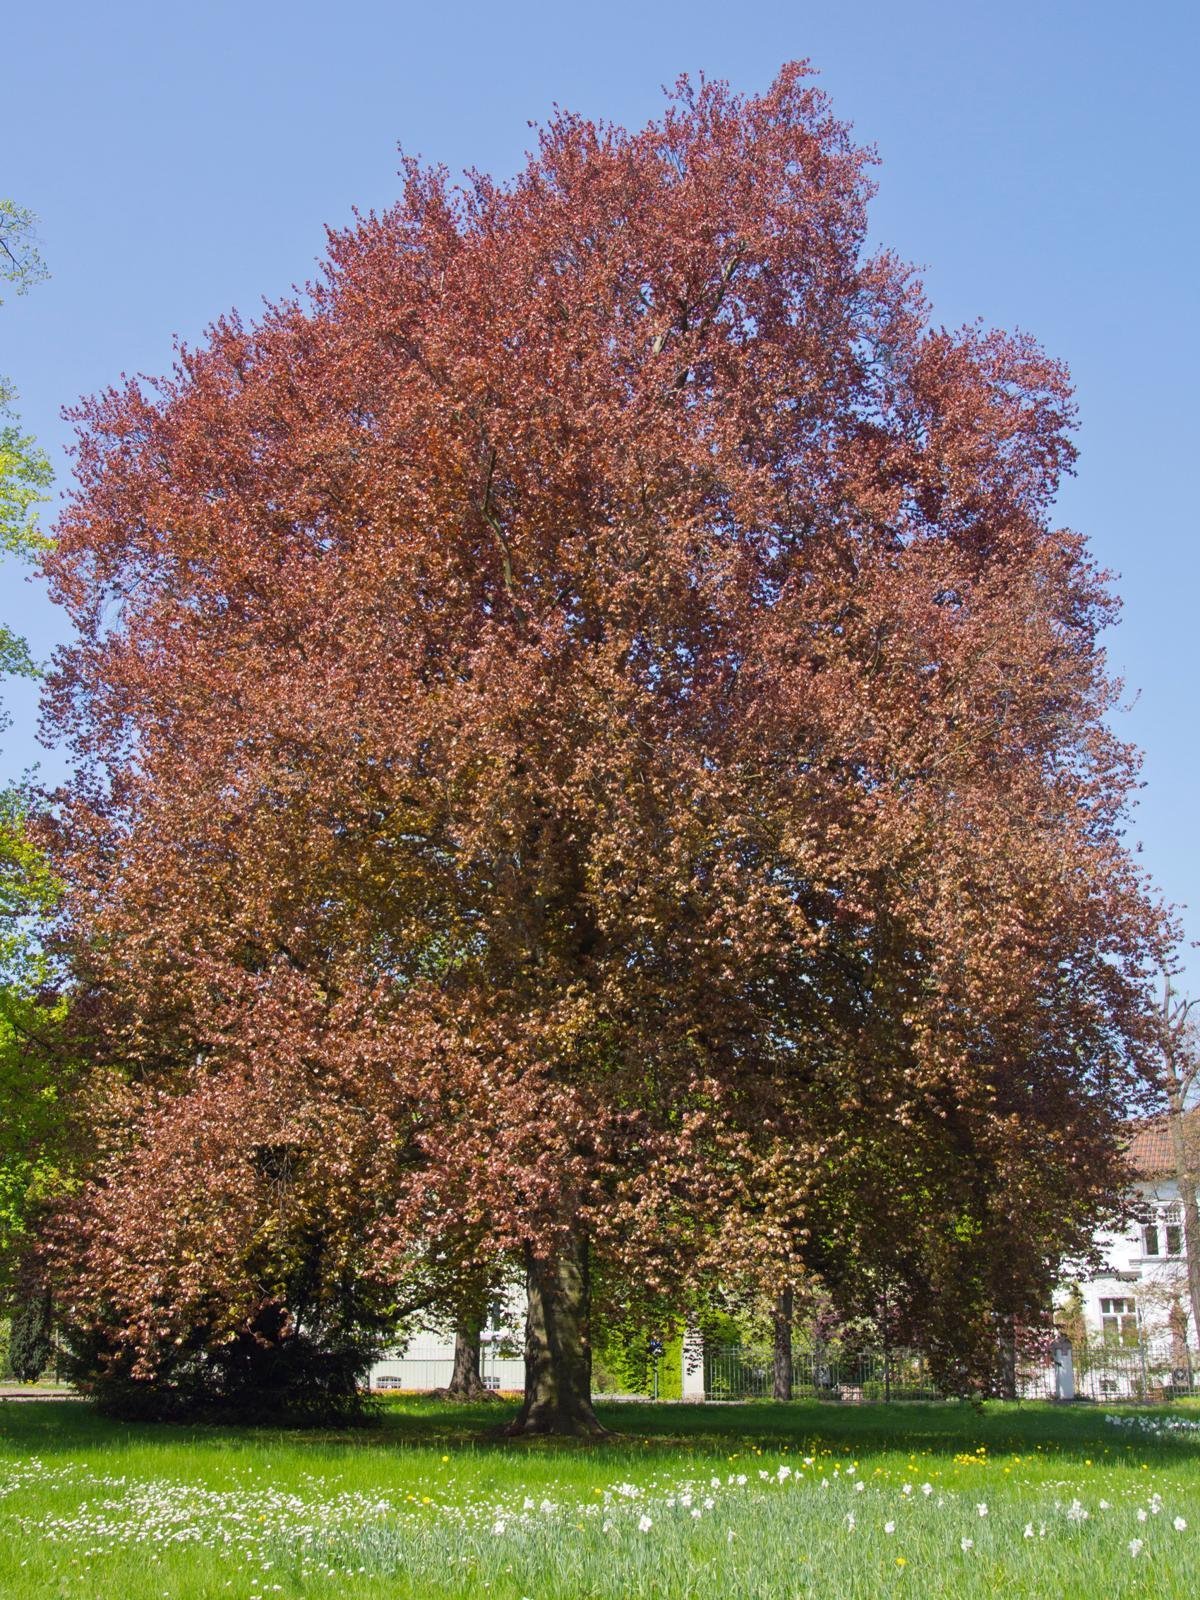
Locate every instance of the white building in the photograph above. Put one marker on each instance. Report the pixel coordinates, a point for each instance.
(426, 1360)
(1141, 1292)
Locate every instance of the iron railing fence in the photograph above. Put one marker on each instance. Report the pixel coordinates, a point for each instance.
(733, 1372)
(1102, 1372)
(1140, 1372)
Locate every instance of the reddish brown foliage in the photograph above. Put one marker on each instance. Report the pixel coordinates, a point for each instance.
(584, 722)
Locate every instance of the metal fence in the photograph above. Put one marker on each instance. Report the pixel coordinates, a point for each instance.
(1102, 1372)
(732, 1372)
(1141, 1372)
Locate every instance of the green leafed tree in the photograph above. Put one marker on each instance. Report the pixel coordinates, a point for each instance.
(25, 474)
(31, 1122)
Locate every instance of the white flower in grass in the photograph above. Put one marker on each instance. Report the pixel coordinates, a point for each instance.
(697, 1513)
(1029, 1530)
(850, 1521)
(889, 1527)
(709, 1502)
(982, 1508)
(859, 1487)
(1104, 1506)
(907, 1489)
(926, 1489)
(1136, 1546)
(1142, 1515)
(498, 1527)
(784, 1474)
(1179, 1525)
(740, 1480)
(644, 1523)
(966, 1544)
(730, 1536)
(850, 1471)
(1077, 1511)
(685, 1501)
(808, 1460)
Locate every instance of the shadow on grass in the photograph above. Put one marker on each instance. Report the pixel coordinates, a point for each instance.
(414, 1423)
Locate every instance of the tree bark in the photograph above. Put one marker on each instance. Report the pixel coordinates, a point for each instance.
(465, 1380)
(1185, 1177)
(781, 1388)
(1181, 1068)
(558, 1351)
(1006, 1359)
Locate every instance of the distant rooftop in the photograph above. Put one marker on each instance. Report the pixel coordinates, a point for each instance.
(1150, 1144)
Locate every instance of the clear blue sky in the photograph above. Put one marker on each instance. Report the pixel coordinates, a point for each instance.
(1039, 160)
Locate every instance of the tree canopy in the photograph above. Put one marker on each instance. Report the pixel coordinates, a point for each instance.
(590, 745)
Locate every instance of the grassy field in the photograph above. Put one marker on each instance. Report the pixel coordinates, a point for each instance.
(718, 1501)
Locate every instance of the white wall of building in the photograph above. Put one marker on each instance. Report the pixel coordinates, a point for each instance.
(426, 1359)
(1144, 1275)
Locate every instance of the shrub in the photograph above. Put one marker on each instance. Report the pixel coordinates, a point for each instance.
(31, 1338)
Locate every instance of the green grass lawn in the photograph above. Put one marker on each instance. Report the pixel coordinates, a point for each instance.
(716, 1501)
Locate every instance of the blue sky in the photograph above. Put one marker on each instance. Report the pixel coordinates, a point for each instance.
(1038, 161)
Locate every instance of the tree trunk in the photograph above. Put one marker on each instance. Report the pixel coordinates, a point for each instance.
(781, 1388)
(1185, 1176)
(465, 1381)
(1006, 1359)
(558, 1351)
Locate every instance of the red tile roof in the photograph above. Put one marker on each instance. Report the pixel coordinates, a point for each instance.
(1150, 1144)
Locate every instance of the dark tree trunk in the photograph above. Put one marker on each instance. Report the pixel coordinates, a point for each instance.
(1006, 1360)
(1181, 1071)
(558, 1350)
(1185, 1174)
(781, 1388)
(465, 1381)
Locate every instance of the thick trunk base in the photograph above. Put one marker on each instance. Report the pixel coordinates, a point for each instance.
(558, 1351)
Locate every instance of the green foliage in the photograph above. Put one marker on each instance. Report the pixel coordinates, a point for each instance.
(36, 1068)
(31, 1336)
(25, 477)
(622, 1364)
(21, 263)
(25, 473)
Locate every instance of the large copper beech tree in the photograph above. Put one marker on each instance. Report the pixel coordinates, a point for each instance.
(590, 747)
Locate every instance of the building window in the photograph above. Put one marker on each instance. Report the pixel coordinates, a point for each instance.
(1173, 1230)
(1118, 1321)
(1164, 1236)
